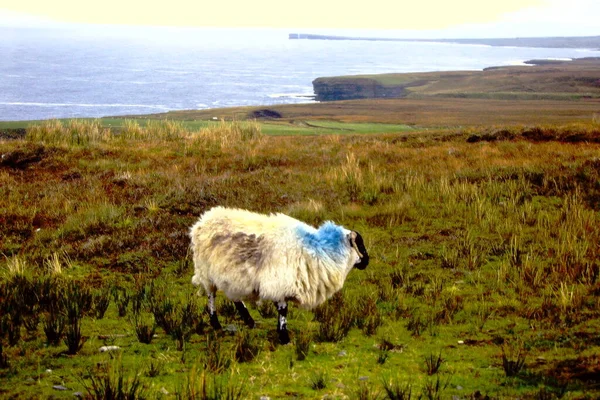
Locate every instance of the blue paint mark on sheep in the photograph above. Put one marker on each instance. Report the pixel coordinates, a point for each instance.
(327, 241)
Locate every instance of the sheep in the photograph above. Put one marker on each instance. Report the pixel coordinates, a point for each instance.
(271, 257)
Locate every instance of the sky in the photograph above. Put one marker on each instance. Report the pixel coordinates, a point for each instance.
(466, 18)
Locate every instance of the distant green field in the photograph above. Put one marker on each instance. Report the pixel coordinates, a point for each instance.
(331, 127)
(268, 128)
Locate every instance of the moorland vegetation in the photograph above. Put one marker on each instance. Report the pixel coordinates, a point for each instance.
(483, 281)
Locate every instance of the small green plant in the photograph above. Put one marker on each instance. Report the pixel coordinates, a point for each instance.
(394, 390)
(369, 316)
(451, 304)
(513, 358)
(387, 345)
(54, 325)
(76, 302)
(4, 364)
(382, 356)
(32, 319)
(11, 323)
(110, 382)
(484, 312)
(433, 363)
(73, 337)
(433, 388)
(365, 392)
(336, 319)
(450, 258)
(247, 346)
(266, 309)
(318, 380)
(202, 388)
(121, 297)
(154, 369)
(100, 302)
(164, 312)
(416, 323)
(216, 358)
(144, 327)
(227, 310)
(303, 342)
(186, 323)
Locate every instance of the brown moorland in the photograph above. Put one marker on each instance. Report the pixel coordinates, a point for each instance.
(430, 112)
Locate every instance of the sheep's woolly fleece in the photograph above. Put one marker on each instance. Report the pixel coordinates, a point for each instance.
(271, 257)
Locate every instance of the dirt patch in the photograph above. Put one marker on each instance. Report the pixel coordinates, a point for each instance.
(12, 133)
(22, 158)
(583, 369)
(265, 114)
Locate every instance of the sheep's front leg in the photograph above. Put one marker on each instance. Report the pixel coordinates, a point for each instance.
(212, 312)
(244, 313)
(284, 337)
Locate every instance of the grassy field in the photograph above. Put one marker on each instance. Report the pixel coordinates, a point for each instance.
(271, 128)
(436, 113)
(484, 275)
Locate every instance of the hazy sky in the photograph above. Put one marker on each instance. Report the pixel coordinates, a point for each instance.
(470, 17)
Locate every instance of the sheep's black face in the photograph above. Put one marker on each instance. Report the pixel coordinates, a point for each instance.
(356, 241)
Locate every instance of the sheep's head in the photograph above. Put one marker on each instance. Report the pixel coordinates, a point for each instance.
(357, 243)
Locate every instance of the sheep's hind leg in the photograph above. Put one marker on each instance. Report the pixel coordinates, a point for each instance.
(284, 337)
(244, 313)
(212, 312)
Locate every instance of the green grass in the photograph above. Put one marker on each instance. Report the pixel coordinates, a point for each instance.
(268, 128)
(479, 249)
(331, 128)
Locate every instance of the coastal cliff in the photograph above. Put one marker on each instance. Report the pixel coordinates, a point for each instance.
(544, 79)
(331, 89)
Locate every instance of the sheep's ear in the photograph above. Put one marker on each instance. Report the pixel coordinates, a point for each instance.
(352, 240)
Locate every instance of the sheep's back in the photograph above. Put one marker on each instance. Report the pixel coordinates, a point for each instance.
(241, 252)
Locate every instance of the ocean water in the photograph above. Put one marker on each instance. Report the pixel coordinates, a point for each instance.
(101, 71)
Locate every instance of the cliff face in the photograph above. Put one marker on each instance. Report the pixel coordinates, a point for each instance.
(331, 89)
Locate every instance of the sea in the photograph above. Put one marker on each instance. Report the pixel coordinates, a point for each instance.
(78, 71)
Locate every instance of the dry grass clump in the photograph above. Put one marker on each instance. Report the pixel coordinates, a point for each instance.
(154, 130)
(364, 183)
(71, 133)
(228, 134)
(90, 132)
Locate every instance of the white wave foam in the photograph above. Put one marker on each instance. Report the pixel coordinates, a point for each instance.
(517, 63)
(35, 104)
(291, 95)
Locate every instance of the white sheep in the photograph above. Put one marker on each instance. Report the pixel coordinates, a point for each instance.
(271, 257)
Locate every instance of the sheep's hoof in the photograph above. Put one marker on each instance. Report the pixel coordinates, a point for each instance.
(284, 337)
(214, 322)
